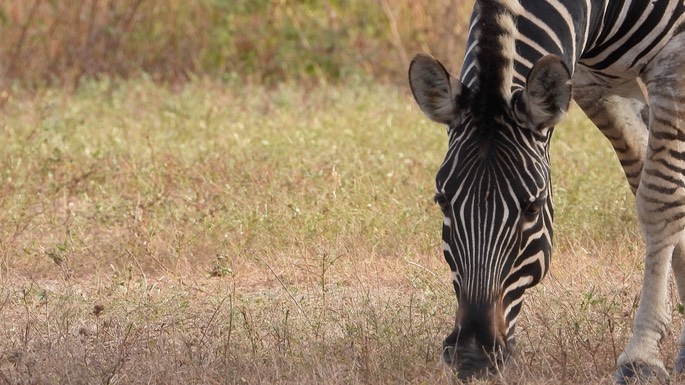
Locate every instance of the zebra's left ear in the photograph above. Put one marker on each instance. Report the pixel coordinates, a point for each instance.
(547, 95)
(435, 90)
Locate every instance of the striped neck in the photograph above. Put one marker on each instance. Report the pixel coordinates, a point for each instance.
(496, 34)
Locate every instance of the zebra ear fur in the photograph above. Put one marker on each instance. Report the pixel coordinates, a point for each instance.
(547, 95)
(434, 89)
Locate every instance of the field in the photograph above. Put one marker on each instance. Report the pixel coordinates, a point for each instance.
(226, 233)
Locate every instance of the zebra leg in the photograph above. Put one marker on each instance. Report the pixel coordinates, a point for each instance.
(678, 265)
(661, 208)
(621, 113)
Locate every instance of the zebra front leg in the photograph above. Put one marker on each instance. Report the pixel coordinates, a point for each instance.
(620, 111)
(661, 209)
(679, 274)
(678, 265)
(640, 359)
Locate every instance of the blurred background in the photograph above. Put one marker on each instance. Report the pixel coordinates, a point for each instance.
(62, 42)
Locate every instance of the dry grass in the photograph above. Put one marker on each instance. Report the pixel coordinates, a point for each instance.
(247, 235)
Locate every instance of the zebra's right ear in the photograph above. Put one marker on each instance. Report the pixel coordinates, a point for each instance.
(434, 89)
(547, 95)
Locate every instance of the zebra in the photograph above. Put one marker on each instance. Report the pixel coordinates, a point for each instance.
(525, 60)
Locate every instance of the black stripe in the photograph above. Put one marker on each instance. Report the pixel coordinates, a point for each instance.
(674, 17)
(610, 18)
(661, 189)
(655, 18)
(612, 14)
(635, 174)
(679, 155)
(669, 136)
(676, 217)
(670, 166)
(664, 177)
(629, 162)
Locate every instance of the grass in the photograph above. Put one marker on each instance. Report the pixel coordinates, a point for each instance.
(236, 234)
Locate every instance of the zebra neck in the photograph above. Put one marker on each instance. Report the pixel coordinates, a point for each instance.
(496, 34)
(507, 37)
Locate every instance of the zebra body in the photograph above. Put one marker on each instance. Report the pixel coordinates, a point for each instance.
(523, 58)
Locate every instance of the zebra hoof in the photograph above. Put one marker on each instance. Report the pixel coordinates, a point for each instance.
(638, 373)
(680, 362)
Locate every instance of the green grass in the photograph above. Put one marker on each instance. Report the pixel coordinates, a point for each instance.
(225, 233)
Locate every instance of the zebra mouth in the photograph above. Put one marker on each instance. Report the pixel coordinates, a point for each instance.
(472, 361)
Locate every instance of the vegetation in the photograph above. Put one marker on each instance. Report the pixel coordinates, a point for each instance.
(251, 234)
(62, 42)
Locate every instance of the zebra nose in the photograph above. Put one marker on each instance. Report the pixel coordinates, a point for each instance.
(472, 360)
(483, 321)
(477, 346)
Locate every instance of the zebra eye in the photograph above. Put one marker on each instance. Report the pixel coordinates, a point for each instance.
(534, 207)
(443, 202)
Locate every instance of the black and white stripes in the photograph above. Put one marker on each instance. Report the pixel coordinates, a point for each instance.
(494, 188)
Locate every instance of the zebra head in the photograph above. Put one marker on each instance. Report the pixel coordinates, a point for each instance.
(495, 193)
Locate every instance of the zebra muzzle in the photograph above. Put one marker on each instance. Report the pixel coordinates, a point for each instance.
(477, 347)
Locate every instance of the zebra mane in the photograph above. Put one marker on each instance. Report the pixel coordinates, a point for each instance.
(496, 50)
